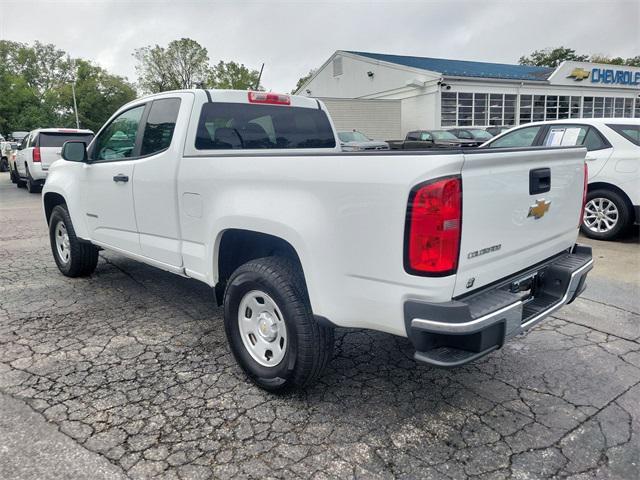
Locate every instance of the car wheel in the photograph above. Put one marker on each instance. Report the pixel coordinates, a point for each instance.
(4, 164)
(32, 187)
(13, 175)
(606, 215)
(73, 257)
(270, 327)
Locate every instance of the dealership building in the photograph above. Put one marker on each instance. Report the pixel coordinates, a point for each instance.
(385, 96)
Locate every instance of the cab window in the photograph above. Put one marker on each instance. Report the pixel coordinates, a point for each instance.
(426, 137)
(118, 140)
(523, 137)
(158, 130)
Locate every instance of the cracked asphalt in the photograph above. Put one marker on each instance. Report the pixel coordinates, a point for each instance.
(127, 374)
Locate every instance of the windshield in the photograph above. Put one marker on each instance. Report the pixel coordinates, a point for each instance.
(480, 134)
(442, 135)
(353, 137)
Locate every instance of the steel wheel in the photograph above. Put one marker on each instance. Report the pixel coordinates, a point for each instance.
(262, 328)
(600, 215)
(63, 245)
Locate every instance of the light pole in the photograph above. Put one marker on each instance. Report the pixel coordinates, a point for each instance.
(73, 92)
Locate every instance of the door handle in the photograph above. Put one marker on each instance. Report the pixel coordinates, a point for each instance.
(120, 178)
(589, 158)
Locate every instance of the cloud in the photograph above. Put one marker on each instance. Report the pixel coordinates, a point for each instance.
(293, 37)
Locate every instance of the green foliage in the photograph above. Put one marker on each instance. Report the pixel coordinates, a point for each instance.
(233, 76)
(303, 80)
(552, 57)
(182, 64)
(35, 89)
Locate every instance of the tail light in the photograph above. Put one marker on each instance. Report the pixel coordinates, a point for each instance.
(268, 97)
(434, 224)
(584, 193)
(36, 155)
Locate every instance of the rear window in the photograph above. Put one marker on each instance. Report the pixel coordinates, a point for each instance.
(630, 132)
(54, 139)
(226, 126)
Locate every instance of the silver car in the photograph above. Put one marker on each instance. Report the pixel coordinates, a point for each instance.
(355, 141)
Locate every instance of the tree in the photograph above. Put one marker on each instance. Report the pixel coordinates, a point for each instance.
(633, 61)
(233, 76)
(183, 63)
(552, 57)
(35, 89)
(303, 80)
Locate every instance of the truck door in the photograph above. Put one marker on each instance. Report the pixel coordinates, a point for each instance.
(154, 184)
(107, 184)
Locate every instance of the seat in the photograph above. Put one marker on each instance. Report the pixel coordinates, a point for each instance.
(255, 136)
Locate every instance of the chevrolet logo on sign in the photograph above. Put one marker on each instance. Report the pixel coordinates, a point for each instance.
(579, 74)
(539, 209)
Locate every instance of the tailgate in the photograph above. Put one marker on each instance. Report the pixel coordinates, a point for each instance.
(51, 143)
(505, 229)
(48, 155)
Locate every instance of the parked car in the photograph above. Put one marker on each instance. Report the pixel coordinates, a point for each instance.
(39, 149)
(613, 158)
(354, 141)
(477, 135)
(424, 139)
(250, 193)
(5, 153)
(498, 130)
(8, 152)
(18, 136)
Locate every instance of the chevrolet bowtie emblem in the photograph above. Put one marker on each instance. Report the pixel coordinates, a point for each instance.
(539, 209)
(579, 74)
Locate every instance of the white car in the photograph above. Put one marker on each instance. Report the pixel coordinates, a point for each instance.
(250, 193)
(8, 152)
(39, 149)
(613, 159)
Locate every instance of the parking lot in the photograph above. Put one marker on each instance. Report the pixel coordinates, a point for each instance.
(127, 374)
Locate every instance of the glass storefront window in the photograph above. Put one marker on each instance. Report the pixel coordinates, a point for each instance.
(608, 107)
(525, 108)
(618, 107)
(563, 107)
(480, 109)
(509, 117)
(628, 107)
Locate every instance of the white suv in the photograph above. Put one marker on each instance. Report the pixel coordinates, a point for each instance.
(39, 150)
(613, 158)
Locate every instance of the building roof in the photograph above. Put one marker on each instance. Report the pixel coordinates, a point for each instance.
(464, 68)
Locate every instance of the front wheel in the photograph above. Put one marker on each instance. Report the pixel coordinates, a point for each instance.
(606, 215)
(270, 327)
(73, 257)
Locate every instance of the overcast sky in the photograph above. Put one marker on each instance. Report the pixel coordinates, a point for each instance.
(293, 37)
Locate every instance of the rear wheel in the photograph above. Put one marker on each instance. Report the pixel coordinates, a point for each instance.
(270, 327)
(606, 215)
(13, 175)
(73, 257)
(32, 186)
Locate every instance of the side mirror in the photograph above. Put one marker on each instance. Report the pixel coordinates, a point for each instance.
(74, 151)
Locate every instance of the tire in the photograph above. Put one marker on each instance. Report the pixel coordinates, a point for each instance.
(32, 187)
(81, 257)
(606, 216)
(4, 164)
(20, 183)
(13, 175)
(308, 346)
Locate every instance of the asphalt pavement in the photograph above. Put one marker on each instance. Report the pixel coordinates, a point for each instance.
(127, 374)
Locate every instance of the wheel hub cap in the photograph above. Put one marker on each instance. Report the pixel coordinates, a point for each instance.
(63, 245)
(600, 215)
(262, 328)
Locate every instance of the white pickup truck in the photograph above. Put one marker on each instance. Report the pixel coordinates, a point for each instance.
(249, 192)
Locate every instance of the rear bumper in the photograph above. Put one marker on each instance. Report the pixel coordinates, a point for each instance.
(457, 332)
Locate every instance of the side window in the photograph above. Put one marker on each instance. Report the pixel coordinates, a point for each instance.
(523, 137)
(412, 136)
(118, 139)
(25, 140)
(565, 135)
(161, 122)
(426, 137)
(594, 141)
(463, 134)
